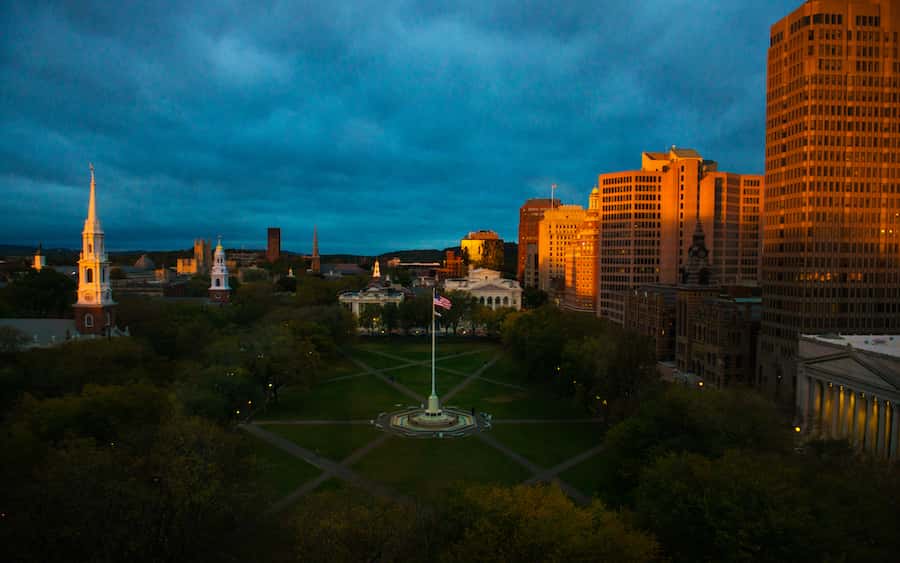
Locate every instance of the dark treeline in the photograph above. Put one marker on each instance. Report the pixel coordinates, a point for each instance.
(126, 449)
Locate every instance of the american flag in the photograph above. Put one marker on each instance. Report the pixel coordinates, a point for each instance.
(442, 302)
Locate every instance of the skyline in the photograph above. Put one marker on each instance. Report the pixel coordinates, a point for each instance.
(210, 120)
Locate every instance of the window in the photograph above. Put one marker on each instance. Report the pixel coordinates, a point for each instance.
(89, 320)
(89, 275)
(218, 282)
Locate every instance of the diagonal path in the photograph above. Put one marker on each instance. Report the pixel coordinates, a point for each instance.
(380, 375)
(342, 470)
(302, 422)
(537, 470)
(330, 468)
(462, 384)
(569, 463)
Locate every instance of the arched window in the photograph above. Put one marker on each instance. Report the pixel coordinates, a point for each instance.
(481, 299)
(506, 301)
(90, 248)
(89, 275)
(218, 282)
(490, 301)
(89, 320)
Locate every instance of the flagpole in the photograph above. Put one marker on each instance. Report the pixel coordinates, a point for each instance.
(432, 342)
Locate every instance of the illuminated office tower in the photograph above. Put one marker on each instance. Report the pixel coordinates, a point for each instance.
(831, 236)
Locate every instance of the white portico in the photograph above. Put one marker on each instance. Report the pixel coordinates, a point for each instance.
(373, 296)
(488, 288)
(848, 387)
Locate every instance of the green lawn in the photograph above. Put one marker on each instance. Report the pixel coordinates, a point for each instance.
(359, 398)
(506, 402)
(548, 445)
(585, 475)
(467, 364)
(426, 468)
(334, 441)
(418, 378)
(280, 472)
(338, 367)
(374, 361)
(505, 370)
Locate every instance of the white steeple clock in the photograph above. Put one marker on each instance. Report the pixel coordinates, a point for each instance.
(219, 290)
(94, 310)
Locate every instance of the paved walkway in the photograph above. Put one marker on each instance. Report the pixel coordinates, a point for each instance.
(329, 468)
(341, 470)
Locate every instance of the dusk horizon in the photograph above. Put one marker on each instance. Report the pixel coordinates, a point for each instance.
(396, 127)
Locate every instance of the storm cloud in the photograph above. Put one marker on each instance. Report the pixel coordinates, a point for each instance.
(387, 124)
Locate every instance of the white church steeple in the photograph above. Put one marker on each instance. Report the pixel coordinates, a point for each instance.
(219, 290)
(93, 310)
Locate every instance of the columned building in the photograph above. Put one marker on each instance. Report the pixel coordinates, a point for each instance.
(219, 290)
(848, 387)
(375, 295)
(489, 288)
(95, 311)
(831, 241)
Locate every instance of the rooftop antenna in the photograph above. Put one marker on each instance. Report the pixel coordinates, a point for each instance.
(552, 195)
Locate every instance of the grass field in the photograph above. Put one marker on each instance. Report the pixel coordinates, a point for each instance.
(359, 398)
(425, 468)
(279, 471)
(334, 442)
(548, 445)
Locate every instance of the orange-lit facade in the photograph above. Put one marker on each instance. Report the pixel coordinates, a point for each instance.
(557, 230)
(582, 261)
(647, 218)
(831, 238)
(530, 215)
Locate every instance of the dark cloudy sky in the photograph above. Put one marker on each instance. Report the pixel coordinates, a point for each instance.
(388, 124)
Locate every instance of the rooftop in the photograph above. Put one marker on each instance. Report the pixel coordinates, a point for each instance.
(886, 344)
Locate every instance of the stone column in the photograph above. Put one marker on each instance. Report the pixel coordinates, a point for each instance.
(880, 427)
(801, 408)
(827, 410)
(893, 454)
(860, 421)
(871, 425)
(815, 425)
(839, 414)
(850, 420)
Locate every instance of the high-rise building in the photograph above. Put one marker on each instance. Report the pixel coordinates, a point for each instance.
(202, 255)
(831, 238)
(315, 262)
(273, 249)
(582, 261)
(530, 215)
(647, 218)
(556, 231)
(95, 309)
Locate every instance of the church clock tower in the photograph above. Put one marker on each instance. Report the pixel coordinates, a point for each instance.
(219, 290)
(95, 308)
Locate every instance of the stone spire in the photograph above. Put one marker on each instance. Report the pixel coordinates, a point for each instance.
(92, 223)
(376, 271)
